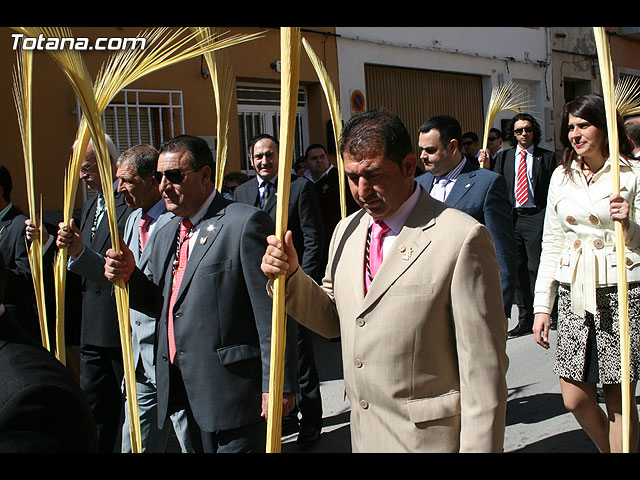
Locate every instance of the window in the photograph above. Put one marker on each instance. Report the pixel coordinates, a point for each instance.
(259, 112)
(150, 117)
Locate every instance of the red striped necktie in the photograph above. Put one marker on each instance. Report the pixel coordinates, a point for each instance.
(522, 184)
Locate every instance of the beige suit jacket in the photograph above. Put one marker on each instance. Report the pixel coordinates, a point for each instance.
(424, 351)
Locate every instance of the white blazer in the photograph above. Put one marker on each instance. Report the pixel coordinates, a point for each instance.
(578, 243)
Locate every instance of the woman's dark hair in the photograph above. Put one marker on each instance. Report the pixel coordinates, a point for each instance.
(591, 108)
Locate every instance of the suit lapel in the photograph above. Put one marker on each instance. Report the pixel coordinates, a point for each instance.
(132, 236)
(510, 172)
(464, 183)
(412, 240)
(208, 232)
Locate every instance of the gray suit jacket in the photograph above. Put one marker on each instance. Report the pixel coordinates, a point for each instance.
(222, 316)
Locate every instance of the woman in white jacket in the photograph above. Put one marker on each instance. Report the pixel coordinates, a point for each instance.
(578, 264)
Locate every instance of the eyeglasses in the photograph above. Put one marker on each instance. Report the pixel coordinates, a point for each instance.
(173, 175)
(518, 131)
(491, 139)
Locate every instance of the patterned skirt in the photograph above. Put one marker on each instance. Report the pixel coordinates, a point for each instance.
(588, 348)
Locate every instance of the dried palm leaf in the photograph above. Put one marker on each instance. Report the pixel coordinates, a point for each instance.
(223, 83)
(76, 71)
(608, 92)
(336, 120)
(22, 91)
(289, 81)
(628, 96)
(505, 96)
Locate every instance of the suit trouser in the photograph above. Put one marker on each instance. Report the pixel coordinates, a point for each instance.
(528, 224)
(308, 400)
(154, 439)
(101, 374)
(245, 439)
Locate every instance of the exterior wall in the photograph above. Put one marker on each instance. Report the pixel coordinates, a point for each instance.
(55, 116)
(499, 55)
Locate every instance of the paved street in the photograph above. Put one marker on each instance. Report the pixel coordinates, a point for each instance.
(537, 421)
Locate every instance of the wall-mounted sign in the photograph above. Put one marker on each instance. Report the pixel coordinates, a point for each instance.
(357, 102)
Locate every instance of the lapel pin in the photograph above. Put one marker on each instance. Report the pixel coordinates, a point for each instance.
(203, 240)
(406, 253)
(210, 228)
(467, 185)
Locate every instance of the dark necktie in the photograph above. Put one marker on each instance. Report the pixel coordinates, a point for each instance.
(266, 192)
(96, 219)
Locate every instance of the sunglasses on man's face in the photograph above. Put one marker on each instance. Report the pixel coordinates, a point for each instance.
(491, 139)
(173, 175)
(518, 131)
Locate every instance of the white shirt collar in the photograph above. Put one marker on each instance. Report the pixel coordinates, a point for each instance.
(157, 210)
(196, 217)
(308, 175)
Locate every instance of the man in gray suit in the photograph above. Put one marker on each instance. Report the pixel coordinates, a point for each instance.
(140, 190)
(204, 286)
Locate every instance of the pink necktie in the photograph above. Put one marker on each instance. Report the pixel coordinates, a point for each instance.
(143, 229)
(178, 273)
(522, 186)
(374, 251)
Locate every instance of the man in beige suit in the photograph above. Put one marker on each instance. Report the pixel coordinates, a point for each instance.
(423, 346)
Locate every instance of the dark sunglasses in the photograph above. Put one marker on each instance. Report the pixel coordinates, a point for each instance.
(173, 175)
(518, 131)
(491, 139)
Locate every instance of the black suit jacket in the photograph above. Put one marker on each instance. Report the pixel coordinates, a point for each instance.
(42, 408)
(544, 163)
(305, 220)
(19, 296)
(328, 193)
(99, 312)
(222, 316)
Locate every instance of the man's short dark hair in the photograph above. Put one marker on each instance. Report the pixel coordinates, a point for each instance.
(259, 137)
(199, 152)
(472, 135)
(377, 130)
(312, 146)
(632, 126)
(537, 132)
(143, 158)
(5, 183)
(496, 131)
(448, 126)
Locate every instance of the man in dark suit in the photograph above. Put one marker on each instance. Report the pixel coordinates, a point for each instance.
(42, 408)
(527, 169)
(451, 178)
(204, 287)
(141, 192)
(306, 224)
(101, 365)
(324, 177)
(19, 297)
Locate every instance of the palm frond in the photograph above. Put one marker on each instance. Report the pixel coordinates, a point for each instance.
(505, 96)
(336, 120)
